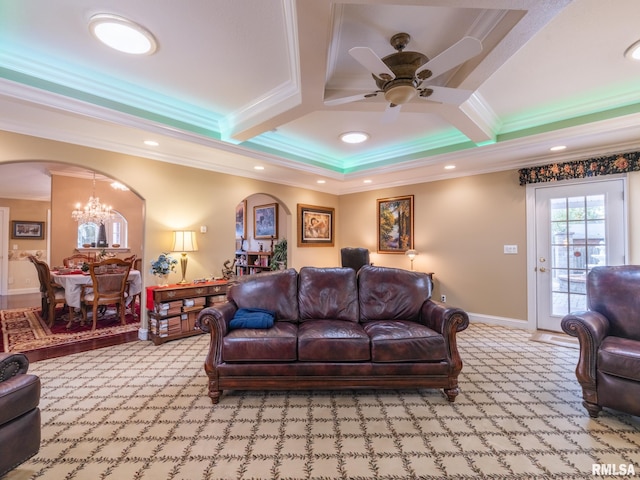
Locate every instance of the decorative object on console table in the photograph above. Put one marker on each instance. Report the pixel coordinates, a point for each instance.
(184, 241)
(173, 310)
(162, 267)
(395, 224)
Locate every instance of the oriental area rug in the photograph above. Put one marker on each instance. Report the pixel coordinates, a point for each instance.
(23, 330)
(140, 411)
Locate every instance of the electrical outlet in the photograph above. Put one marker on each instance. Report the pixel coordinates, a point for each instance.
(443, 298)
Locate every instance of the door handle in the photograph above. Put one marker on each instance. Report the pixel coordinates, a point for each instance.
(542, 269)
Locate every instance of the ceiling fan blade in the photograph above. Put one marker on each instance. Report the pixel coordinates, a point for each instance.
(391, 113)
(369, 60)
(452, 96)
(460, 52)
(342, 100)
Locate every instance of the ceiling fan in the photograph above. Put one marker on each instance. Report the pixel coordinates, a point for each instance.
(402, 75)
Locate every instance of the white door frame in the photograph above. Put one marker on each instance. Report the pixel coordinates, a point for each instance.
(4, 250)
(532, 261)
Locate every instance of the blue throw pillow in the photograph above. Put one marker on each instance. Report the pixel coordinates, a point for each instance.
(252, 318)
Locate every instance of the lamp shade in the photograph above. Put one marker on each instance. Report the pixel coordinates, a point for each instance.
(411, 254)
(184, 241)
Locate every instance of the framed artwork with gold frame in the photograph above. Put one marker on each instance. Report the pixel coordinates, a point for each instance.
(395, 224)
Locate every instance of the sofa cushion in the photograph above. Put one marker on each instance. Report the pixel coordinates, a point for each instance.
(391, 293)
(275, 291)
(620, 357)
(404, 341)
(275, 344)
(332, 341)
(327, 293)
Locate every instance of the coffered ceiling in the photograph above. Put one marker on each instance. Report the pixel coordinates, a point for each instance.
(236, 84)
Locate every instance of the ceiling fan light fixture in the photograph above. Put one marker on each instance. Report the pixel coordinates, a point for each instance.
(633, 52)
(122, 34)
(400, 94)
(354, 137)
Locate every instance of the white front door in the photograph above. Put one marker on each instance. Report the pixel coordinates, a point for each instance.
(578, 226)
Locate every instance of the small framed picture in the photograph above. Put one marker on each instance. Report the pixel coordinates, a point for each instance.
(265, 221)
(241, 220)
(27, 230)
(395, 224)
(315, 226)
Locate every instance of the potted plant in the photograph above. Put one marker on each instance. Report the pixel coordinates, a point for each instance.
(162, 267)
(279, 257)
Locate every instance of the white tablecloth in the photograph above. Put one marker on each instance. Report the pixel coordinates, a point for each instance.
(73, 285)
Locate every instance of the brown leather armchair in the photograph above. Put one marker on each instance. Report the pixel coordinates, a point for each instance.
(354, 257)
(19, 412)
(609, 333)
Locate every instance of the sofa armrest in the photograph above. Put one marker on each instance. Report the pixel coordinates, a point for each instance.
(12, 364)
(447, 321)
(591, 328)
(18, 395)
(216, 318)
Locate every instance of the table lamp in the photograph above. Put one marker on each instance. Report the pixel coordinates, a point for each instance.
(184, 241)
(411, 254)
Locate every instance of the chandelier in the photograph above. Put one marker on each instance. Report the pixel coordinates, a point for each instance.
(93, 211)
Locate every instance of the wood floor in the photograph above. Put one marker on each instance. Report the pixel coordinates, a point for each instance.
(8, 302)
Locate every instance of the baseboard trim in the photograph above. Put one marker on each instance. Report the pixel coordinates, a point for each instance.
(143, 334)
(500, 321)
(23, 291)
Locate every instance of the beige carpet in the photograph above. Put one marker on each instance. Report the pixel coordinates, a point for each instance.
(138, 411)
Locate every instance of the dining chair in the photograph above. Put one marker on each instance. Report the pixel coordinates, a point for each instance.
(136, 264)
(108, 287)
(51, 293)
(76, 258)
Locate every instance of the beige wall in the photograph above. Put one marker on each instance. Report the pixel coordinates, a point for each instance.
(461, 225)
(460, 228)
(66, 192)
(22, 275)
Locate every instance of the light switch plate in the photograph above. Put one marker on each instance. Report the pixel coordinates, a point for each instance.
(511, 249)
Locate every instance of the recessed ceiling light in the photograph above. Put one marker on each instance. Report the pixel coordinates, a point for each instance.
(633, 52)
(354, 137)
(258, 167)
(122, 34)
(321, 181)
(557, 148)
(151, 143)
(449, 167)
(367, 181)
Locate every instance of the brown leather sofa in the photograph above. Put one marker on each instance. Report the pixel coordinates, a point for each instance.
(335, 329)
(609, 333)
(19, 412)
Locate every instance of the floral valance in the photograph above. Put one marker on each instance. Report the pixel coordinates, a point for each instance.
(593, 167)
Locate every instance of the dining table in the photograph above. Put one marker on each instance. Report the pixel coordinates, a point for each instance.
(73, 280)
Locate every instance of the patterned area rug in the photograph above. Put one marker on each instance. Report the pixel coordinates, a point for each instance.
(23, 330)
(139, 411)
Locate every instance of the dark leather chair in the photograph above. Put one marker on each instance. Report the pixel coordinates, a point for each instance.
(609, 333)
(19, 412)
(354, 257)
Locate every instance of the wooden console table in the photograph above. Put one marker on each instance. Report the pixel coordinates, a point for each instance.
(173, 310)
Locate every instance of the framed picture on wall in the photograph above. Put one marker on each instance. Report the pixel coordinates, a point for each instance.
(241, 220)
(395, 224)
(265, 221)
(315, 226)
(27, 230)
